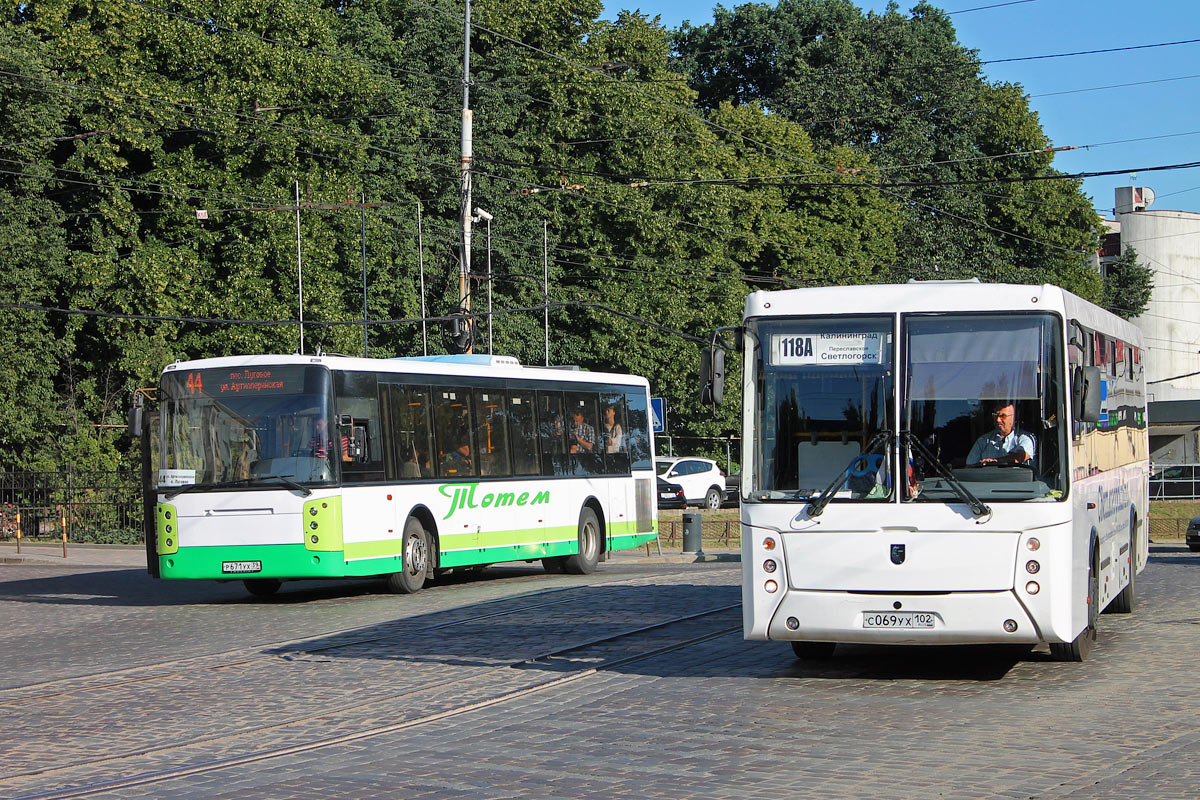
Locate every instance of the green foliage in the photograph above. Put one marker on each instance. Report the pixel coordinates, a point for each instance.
(1128, 285)
(666, 188)
(905, 92)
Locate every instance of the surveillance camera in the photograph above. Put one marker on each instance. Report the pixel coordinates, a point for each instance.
(480, 214)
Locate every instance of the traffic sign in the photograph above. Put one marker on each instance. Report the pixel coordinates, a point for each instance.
(658, 415)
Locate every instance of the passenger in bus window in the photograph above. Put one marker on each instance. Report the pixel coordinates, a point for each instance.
(613, 434)
(319, 446)
(1007, 444)
(411, 468)
(458, 460)
(583, 435)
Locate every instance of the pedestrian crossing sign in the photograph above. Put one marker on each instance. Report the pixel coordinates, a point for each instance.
(658, 415)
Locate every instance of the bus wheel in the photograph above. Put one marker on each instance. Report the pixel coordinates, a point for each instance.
(1078, 650)
(814, 651)
(415, 565)
(712, 500)
(584, 562)
(262, 587)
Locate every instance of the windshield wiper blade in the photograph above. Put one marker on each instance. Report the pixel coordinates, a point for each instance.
(286, 481)
(817, 506)
(187, 487)
(977, 506)
(191, 487)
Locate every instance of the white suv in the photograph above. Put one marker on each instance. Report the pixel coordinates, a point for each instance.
(702, 480)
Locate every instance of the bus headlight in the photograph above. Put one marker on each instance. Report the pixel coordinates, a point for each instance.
(1010, 625)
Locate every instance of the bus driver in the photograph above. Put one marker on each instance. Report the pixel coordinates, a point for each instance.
(1006, 444)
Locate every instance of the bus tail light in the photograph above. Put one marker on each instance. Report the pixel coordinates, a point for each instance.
(1010, 625)
(768, 543)
(771, 587)
(1032, 587)
(1032, 567)
(1032, 543)
(769, 565)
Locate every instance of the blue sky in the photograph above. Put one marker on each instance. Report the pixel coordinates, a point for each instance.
(1106, 118)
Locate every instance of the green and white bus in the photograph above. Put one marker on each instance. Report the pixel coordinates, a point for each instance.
(270, 468)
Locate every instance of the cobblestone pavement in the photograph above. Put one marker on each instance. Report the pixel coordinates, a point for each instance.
(106, 675)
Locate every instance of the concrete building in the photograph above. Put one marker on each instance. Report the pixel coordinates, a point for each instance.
(1167, 242)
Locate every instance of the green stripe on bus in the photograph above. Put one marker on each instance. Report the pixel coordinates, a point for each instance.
(379, 549)
(382, 557)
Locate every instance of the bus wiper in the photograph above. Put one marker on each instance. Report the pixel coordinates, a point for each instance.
(192, 487)
(188, 487)
(817, 506)
(286, 481)
(977, 506)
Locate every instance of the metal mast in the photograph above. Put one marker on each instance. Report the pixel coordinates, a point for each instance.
(464, 272)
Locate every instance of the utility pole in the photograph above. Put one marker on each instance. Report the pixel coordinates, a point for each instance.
(486, 216)
(421, 264)
(464, 272)
(546, 285)
(363, 217)
(299, 269)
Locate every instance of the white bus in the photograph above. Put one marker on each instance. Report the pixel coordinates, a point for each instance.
(270, 468)
(870, 513)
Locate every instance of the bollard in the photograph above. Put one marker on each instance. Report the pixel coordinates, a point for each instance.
(18, 533)
(692, 533)
(64, 533)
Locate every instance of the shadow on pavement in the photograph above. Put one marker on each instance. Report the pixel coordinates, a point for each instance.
(915, 662)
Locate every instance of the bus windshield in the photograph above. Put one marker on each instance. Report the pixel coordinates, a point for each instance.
(248, 426)
(983, 399)
(825, 392)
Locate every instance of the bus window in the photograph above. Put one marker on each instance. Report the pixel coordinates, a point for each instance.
(976, 384)
(411, 431)
(491, 433)
(522, 433)
(357, 404)
(614, 444)
(452, 420)
(552, 434)
(637, 434)
(583, 443)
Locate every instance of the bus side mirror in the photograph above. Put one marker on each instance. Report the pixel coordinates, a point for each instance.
(712, 376)
(1086, 390)
(135, 422)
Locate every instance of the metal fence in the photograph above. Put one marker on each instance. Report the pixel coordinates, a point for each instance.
(101, 507)
(726, 533)
(1176, 480)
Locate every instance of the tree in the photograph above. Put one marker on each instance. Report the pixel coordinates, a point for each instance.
(126, 121)
(1128, 285)
(952, 149)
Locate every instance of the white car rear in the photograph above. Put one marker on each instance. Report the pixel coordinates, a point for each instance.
(702, 480)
